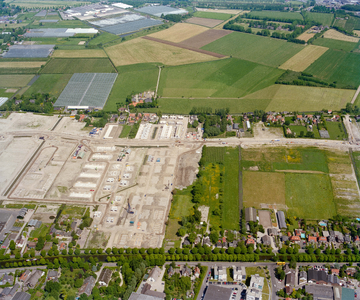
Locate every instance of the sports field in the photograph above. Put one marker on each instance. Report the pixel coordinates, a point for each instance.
(22, 64)
(132, 79)
(335, 44)
(226, 78)
(212, 15)
(79, 53)
(323, 18)
(303, 59)
(179, 32)
(277, 15)
(80, 65)
(336, 35)
(49, 83)
(144, 51)
(14, 81)
(337, 66)
(264, 50)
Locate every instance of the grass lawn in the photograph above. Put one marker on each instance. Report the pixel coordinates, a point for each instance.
(277, 14)
(80, 65)
(41, 231)
(335, 44)
(49, 83)
(255, 48)
(73, 211)
(313, 202)
(212, 15)
(336, 130)
(125, 131)
(297, 129)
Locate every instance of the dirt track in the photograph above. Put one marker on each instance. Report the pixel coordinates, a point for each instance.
(184, 47)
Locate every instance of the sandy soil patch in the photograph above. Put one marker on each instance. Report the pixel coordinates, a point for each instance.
(336, 35)
(82, 43)
(11, 91)
(79, 53)
(305, 36)
(179, 32)
(300, 61)
(21, 64)
(204, 22)
(357, 32)
(144, 51)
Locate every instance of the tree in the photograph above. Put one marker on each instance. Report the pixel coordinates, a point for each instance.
(280, 273)
(78, 283)
(181, 232)
(192, 237)
(12, 245)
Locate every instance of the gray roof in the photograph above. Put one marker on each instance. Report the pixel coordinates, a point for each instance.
(88, 286)
(250, 214)
(29, 51)
(320, 291)
(281, 219)
(52, 273)
(136, 296)
(216, 292)
(21, 296)
(105, 276)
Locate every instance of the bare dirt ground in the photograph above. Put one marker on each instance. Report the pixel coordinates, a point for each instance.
(262, 132)
(265, 218)
(204, 22)
(205, 38)
(187, 168)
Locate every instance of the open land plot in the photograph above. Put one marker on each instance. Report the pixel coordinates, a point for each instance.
(269, 188)
(13, 81)
(323, 18)
(313, 202)
(303, 59)
(277, 15)
(337, 66)
(301, 98)
(43, 3)
(336, 35)
(179, 32)
(133, 78)
(22, 64)
(145, 51)
(205, 38)
(103, 38)
(7, 93)
(212, 15)
(204, 22)
(61, 24)
(49, 83)
(335, 44)
(80, 65)
(305, 36)
(79, 53)
(228, 78)
(264, 50)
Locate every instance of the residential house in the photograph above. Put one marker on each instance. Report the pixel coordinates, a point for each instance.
(31, 245)
(197, 272)
(7, 279)
(146, 290)
(33, 278)
(52, 275)
(220, 273)
(347, 238)
(322, 239)
(233, 244)
(272, 231)
(239, 273)
(154, 274)
(105, 277)
(266, 240)
(295, 238)
(350, 271)
(197, 240)
(290, 279)
(254, 291)
(171, 271)
(87, 286)
(335, 272)
(302, 277)
(206, 242)
(21, 296)
(186, 242)
(312, 239)
(317, 276)
(9, 292)
(186, 271)
(250, 241)
(25, 275)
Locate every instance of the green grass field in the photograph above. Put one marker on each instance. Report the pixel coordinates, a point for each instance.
(212, 15)
(19, 70)
(49, 83)
(125, 131)
(103, 38)
(353, 23)
(313, 202)
(61, 24)
(336, 131)
(132, 79)
(43, 3)
(323, 18)
(4, 94)
(277, 14)
(41, 231)
(14, 81)
(337, 66)
(81, 65)
(263, 50)
(226, 78)
(335, 44)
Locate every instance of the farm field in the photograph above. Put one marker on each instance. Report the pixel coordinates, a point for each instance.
(337, 66)
(204, 22)
(61, 24)
(323, 18)
(49, 83)
(352, 23)
(336, 35)
(79, 53)
(132, 79)
(5, 93)
(22, 64)
(103, 38)
(335, 44)
(145, 51)
(14, 81)
(263, 50)
(302, 98)
(43, 3)
(303, 59)
(205, 38)
(277, 15)
(305, 36)
(212, 15)
(227, 78)
(81, 65)
(179, 32)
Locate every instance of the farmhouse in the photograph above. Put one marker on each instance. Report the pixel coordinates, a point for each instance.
(105, 277)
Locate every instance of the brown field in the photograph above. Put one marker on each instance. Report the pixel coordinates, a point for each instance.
(357, 32)
(22, 64)
(300, 61)
(205, 38)
(204, 22)
(142, 50)
(305, 36)
(179, 32)
(79, 53)
(223, 11)
(336, 35)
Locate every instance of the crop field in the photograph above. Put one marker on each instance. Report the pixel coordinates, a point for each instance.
(303, 59)
(22, 64)
(337, 66)
(305, 36)
(145, 51)
(61, 24)
(79, 53)
(264, 50)
(49, 83)
(323, 18)
(336, 35)
(277, 14)
(205, 38)
(103, 38)
(43, 3)
(81, 65)
(212, 15)
(352, 23)
(14, 81)
(335, 44)
(227, 78)
(204, 22)
(179, 32)
(132, 79)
